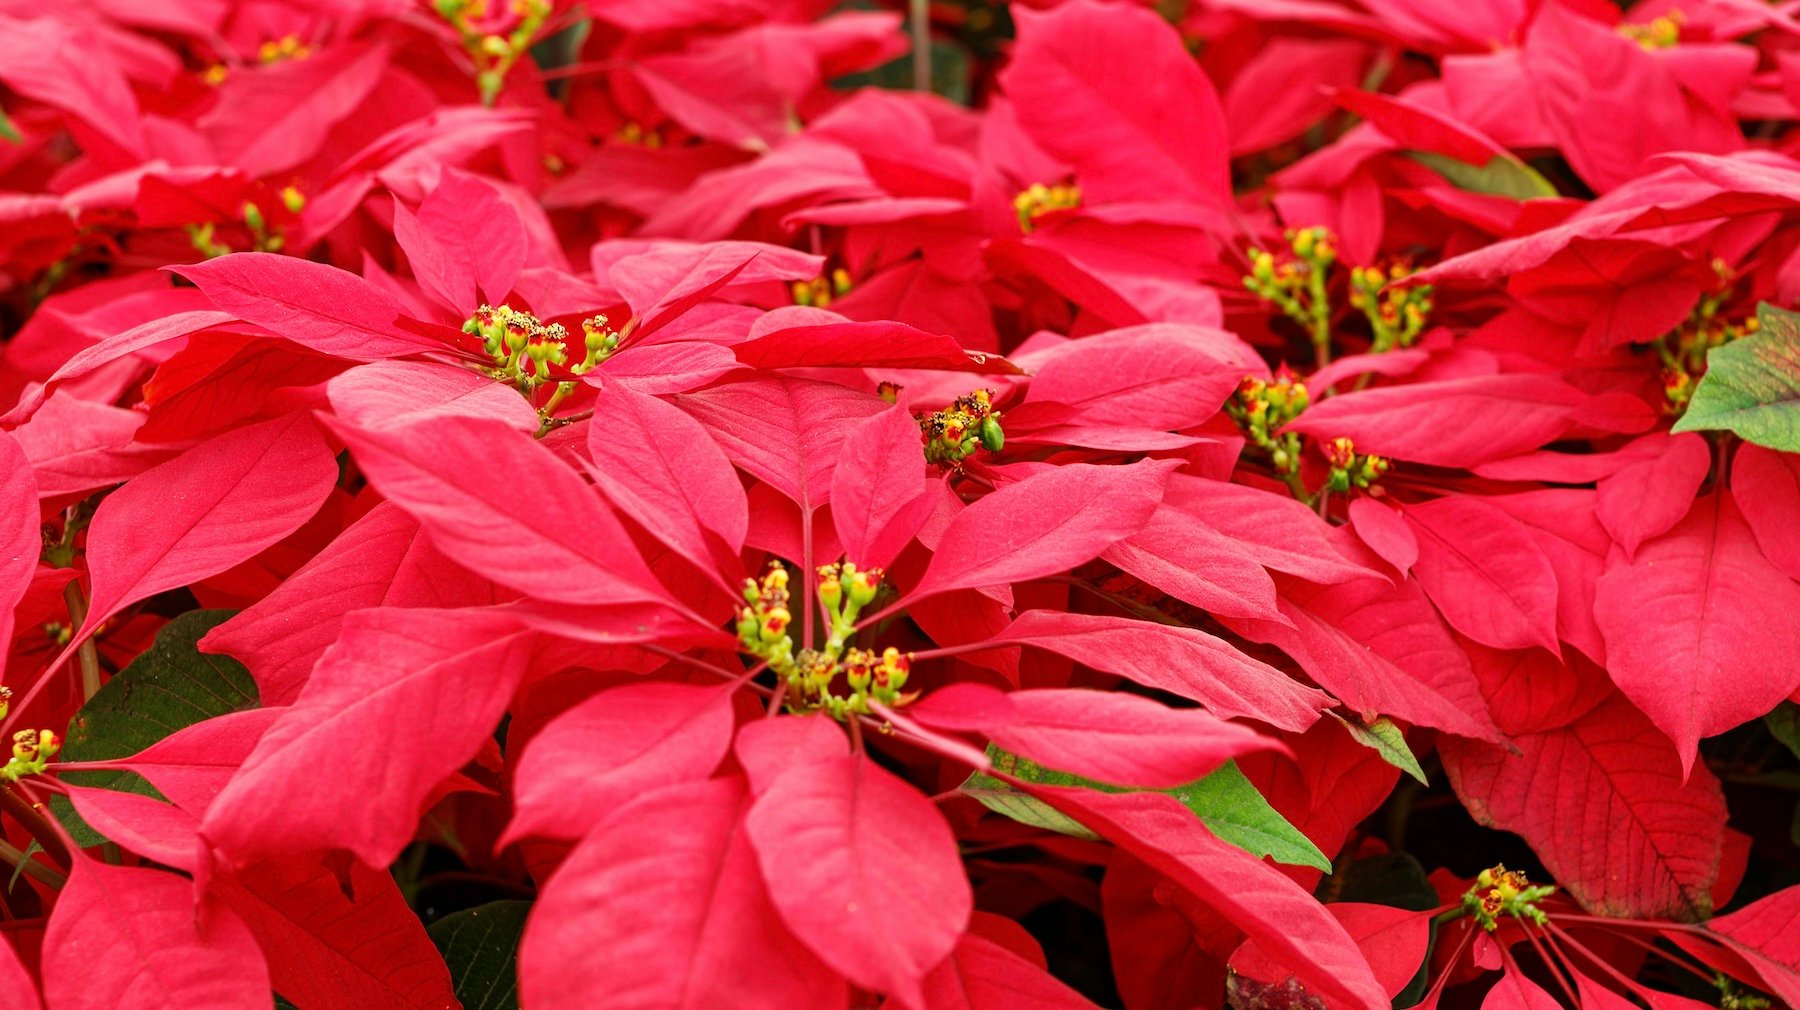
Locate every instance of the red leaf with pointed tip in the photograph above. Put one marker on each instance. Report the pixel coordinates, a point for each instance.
(405, 698)
(49, 60)
(1766, 486)
(128, 937)
(1253, 895)
(499, 503)
(1603, 804)
(1484, 572)
(332, 945)
(880, 494)
(1647, 498)
(21, 537)
(661, 468)
(1119, 739)
(273, 118)
(384, 394)
(672, 277)
(1162, 376)
(1393, 939)
(1692, 622)
(466, 244)
(217, 383)
(786, 432)
(1045, 524)
(1385, 531)
(382, 560)
(15, 980)
(215, 506)
(769, 747)
(318, 307)
(1516, 992)
(148, 827)
(92, 358)
(881, 896)
(1196, 564)
(678, 366)
(1280, 533)
(1767, 932)
(1451, 422)
(1131, 109)
(1381, 649)
(612, 748)
(191, 765)
(1183, 661)
(983, 975)
(1566, 530)
(877, 344)
(1418, 127)
(668, 888)
(77, 445)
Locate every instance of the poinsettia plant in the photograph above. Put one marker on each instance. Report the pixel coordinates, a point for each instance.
(937, 506)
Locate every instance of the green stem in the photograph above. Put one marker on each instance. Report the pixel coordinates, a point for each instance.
(919, 16)
(87, 654)
(19, 859)
(1297, 486)
(1321, 315)
(33, 821)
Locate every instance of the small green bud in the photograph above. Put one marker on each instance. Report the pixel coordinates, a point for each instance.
(992, 438)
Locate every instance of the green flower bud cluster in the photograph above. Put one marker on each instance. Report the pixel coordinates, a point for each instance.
(820, 291)
(1684, 350)
(524, 350)
(31, 754)
(1397, 315)
(812, 674)
(1499, 891)
(202, 237)
(494, 47)
(1657, 34)
(1038, 200)
(1735, 997)
(1261, 408)
(265, 234)
(522, 347)
(762, 626)
(1296, 285)
(953, 434)
(1350, 470)
(288, 47)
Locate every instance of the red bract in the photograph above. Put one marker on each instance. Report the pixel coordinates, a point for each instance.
(642, 505)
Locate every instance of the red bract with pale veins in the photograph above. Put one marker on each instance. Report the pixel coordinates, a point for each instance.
(1278, 504)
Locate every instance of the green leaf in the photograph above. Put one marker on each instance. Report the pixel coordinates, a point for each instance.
(1236, 812)
(481, 946)
(1225, 802)
(1391, 878)
(1394, 879)
(1387, 740)
(1784, 725)
(170, 686)
(1752, 385)
(31, 849)
(9, 132)
(1503, 175)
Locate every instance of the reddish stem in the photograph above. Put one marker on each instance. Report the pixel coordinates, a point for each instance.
(1551, 964)
(48, 834)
